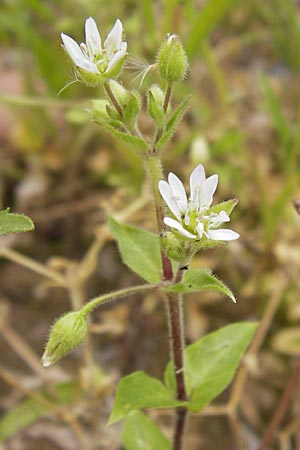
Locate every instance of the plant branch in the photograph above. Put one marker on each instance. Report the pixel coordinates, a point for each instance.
(113, 99)
(167, 97)
(173, 301)
(94, 303)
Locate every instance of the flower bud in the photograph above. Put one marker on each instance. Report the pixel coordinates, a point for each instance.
(132, 108)
(155, 104)
(172, 60)
(157, 94)
(67, 333)
(99, 110)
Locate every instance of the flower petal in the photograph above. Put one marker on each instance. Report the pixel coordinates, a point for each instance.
(174, 224)
(217, 220)
(222, 235)
(72, 48)
(207, 191)
(178, 191)
(200, 229)
(114, 38)
(118, 56)
(167, 194)
(196, 180)
(93, 39)
(77, 55)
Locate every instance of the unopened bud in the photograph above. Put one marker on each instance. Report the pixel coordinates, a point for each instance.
(99, 110)
(172, 60)
(67, 333)
(132, 108)
(155, 104)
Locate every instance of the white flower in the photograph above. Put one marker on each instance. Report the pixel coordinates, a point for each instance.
(93, 63)
(193, 218)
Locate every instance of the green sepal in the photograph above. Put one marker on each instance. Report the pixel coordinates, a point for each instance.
(132, 141)
(196, 280)
(141, 433)
(139, 250)
(210, 363)
(138, 390)
(14, 223)
(131, 109)
(227, 206)
(155, 110)
(173, 123)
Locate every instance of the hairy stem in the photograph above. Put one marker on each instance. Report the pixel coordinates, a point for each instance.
(173, 304)
(92, 304)
(167, 97)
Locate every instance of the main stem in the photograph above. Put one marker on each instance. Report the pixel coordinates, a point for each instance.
(174, 308)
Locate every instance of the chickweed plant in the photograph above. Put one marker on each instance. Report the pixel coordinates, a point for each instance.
(186, 225)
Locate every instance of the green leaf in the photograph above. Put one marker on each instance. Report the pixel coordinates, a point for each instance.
(227, 206)
(14, 223)
(195, 280)
(137, 391)
(132, 141)
(140, 433)
(139, 250)
(28, 411)
(210, 363)
(172, 123)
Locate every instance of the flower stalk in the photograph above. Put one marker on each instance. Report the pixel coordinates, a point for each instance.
(113, 98)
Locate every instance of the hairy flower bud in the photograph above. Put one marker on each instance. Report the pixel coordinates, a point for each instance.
(172, 60)
(98, 110)
(66, 334)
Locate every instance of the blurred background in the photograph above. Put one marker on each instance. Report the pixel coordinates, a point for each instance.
(68, 175)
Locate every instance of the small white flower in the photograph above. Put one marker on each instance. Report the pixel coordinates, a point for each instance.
(193, 218)
(94, 64)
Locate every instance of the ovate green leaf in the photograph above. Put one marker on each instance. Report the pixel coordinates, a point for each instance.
(139, 250)
(139, 390)
(210, 363)
(140, 433)
(195, 280)
(14, 223)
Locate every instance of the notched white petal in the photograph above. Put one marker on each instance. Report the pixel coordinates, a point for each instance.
(200, 229)
(196, 180)
(222, 235)
(72, 48)
(117, 57)
(114, 38)
(208, 189)
(167, 194)
(92, 37)
(177, 226)
(178, 191)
